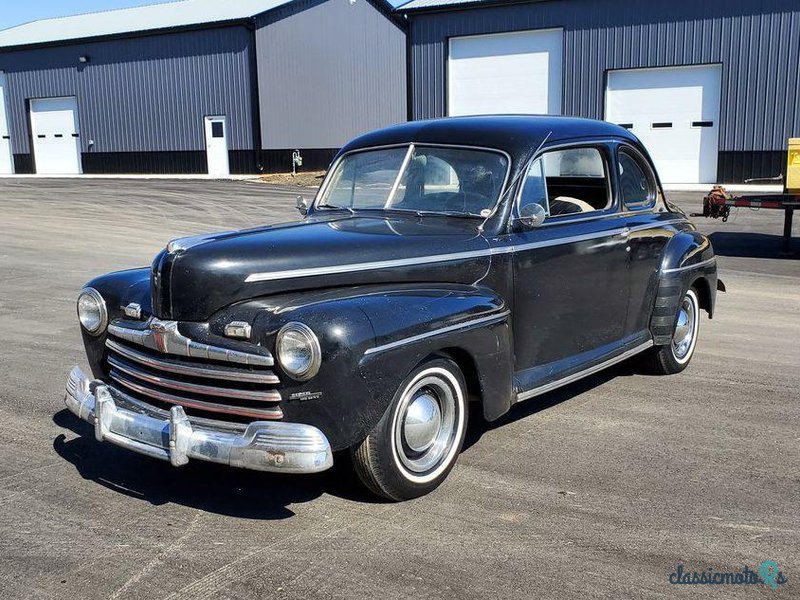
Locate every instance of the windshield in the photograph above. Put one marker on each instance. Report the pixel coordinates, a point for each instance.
(418, 179)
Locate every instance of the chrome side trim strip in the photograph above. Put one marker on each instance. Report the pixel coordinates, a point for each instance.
(194, 388)
(439, 258)
(164, 337)
(657, 224)
(423, 336)
(272, 414)
(581, 374)
(370, 266)
(561, 241)
(207, 372)
(699, 265)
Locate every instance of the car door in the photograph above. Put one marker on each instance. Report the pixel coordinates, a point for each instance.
(649, 233)
(570, 273)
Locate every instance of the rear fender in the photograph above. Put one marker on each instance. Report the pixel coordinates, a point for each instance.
(688, 261)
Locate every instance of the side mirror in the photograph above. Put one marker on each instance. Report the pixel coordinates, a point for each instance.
(532, 215)
(302, 206)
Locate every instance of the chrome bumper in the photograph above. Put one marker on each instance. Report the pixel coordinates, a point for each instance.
(262, 446)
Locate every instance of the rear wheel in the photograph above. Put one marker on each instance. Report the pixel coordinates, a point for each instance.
(675, 356)
(416, 444)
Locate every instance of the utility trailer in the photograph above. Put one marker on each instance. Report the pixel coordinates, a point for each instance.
(718, 203)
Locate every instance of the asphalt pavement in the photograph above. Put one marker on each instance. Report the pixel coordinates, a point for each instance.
(599, 490)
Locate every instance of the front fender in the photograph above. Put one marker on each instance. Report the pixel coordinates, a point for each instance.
(372, 337)
(688, 261)
(118, 290)
(467, 323)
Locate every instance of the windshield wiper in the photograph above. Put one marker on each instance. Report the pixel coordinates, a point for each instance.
(446, 213)
(331, 207)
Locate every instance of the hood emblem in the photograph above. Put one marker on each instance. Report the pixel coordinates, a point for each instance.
(164, 332)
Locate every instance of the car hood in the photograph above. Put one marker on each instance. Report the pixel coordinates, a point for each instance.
(198, 276)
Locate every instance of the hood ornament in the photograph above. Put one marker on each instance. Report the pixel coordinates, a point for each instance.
(186, 243)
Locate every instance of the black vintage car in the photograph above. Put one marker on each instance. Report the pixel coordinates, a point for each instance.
(444, 268)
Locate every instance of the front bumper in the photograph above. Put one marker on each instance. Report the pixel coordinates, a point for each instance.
(171, 436)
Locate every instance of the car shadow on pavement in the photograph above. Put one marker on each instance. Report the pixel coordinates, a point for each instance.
(250, 494)
(478, 427)
(752, 245)
(206, 486)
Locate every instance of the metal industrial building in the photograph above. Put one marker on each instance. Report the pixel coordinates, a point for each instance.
(199, 86)
(710, 87)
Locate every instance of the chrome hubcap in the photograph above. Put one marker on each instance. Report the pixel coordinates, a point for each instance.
(425, 429)
(422, 422)
(683, 337)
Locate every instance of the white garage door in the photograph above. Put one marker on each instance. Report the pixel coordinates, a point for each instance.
(56, 136)
(506, 73)
(675, 113)
(6, 158)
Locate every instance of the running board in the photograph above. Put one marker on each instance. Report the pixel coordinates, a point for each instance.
(549, 387)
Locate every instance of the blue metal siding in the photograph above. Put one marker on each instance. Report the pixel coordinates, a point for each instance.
(145, 94)
(757, 43)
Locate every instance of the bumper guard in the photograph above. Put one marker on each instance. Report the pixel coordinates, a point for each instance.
(261, 446)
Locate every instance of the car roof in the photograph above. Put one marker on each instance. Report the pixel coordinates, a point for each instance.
(517, 135)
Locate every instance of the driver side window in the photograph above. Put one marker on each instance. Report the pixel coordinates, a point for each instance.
(568, 182)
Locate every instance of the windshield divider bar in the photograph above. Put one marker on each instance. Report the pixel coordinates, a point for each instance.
(396, 186)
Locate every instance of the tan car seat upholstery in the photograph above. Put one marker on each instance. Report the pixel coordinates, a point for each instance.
(580, 205)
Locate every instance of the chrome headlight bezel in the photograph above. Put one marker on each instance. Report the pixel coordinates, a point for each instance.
(311, 342)
(101, 308)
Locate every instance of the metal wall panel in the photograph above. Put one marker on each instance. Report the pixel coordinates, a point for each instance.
(144, 94)
(329, 71)
(757, 43)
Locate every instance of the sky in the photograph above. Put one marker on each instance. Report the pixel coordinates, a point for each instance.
(16, 12)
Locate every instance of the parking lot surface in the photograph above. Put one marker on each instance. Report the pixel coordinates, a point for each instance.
(598, 490)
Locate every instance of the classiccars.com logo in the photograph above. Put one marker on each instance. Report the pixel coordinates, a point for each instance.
(767, 574)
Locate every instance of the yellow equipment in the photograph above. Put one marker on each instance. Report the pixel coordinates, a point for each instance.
(793, 167)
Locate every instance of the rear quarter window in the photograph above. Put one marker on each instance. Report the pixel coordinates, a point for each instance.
(636, 182)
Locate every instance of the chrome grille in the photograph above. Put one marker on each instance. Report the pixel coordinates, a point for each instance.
(159, 364)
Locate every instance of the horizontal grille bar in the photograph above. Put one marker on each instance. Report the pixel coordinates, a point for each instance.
(178, 368)
(194, 388)
(163, 336)
(272, 414)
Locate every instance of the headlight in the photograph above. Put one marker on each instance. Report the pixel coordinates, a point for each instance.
(92, 311)
(298, 351)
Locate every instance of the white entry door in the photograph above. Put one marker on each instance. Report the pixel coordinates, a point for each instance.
(217, 145)
(56, 136)
(675, 113)
(6, 156)
(506, 73)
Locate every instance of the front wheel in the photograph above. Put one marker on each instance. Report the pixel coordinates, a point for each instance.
(675, 356)
(417, 442)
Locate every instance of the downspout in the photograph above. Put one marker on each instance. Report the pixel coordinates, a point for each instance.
(409, 72)
(255, 96)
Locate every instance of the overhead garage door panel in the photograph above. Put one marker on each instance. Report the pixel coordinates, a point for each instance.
(56, 143)
(518, 72)
(675, 113)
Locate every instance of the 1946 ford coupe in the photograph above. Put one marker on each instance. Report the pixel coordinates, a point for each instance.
(444, 268)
